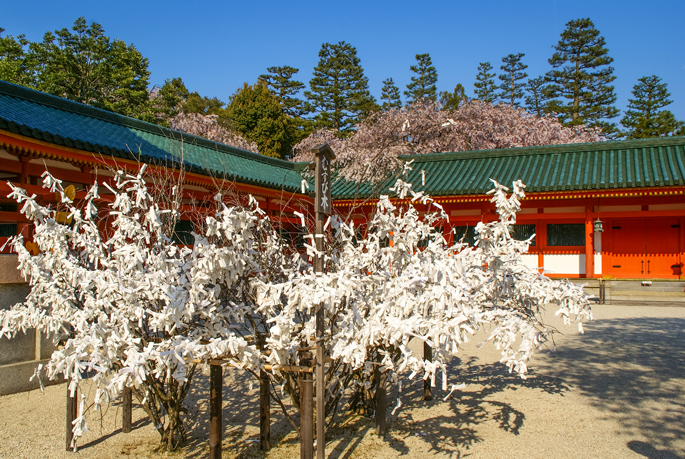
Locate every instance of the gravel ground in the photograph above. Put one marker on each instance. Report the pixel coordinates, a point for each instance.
(615, 392)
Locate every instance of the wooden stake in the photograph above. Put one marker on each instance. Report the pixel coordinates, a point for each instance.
(215, 430)
(322, 207)
(427, 389)
(306, 425)
(72, 413)
(264, 411)
(127, 412)
(381, 401)
(320, 349)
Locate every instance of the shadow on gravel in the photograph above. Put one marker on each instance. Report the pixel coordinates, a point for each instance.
(649, 451)
(454, 433)
(139, 423)
(240, 417)
(633, 370)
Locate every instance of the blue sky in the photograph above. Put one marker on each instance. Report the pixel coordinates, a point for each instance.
(216, 46)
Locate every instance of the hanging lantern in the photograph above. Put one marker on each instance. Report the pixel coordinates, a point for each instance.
(598, 226)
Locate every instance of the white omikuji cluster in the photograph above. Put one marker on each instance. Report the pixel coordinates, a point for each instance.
(420, 287)
(133, 304)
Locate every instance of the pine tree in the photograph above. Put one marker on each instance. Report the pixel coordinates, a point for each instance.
(645, 118)
(422, 86)
(485, 83)
(195, 103)
(513, 68)
(86, 66)
(581, 76)
(166, 102)
(453, 100)
(390, 94)
(13, 65)
(339, 90)
(280, 82)
(536, 100)
(256, 113)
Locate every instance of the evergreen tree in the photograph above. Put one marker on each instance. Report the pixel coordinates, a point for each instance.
(280, 81)
(452, 100)
(645, 118)
(511, 87)
(13, 65)
(256, 113)
(195, 103)
(390, 94)
(339, 90)
(167, 101)
(86, 66)
(581, 77)
(422, 86)
(485, 83)
(536, 100)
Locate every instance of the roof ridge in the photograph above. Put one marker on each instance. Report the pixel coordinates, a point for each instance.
(32, 95)
(606, 145)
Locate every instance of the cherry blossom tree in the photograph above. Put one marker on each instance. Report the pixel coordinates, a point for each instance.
(208, 127)
(371, 154)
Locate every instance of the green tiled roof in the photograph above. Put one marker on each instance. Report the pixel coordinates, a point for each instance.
(574, 167)
(601, 165)
(63, 122)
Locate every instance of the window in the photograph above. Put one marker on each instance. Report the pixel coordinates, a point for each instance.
(565, 234)
(358, 236)
(467, 232)
(382, 242)
(300, 239)
(285, 236)
(182, 233)
(8, 207)
(424, 242)
(8, 229)
(522, 232)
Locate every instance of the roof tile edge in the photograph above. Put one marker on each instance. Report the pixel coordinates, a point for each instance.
(78, 108)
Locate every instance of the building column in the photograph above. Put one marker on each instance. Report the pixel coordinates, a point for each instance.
(589, 255)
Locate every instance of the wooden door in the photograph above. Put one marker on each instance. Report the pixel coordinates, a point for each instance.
(628, 260)
(662, 248)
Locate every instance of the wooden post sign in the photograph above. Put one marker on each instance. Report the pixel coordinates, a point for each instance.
(324, 156)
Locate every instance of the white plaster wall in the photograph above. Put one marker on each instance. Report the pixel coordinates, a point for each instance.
(598, 262)
(565, 263)
(530, 260)
(598, 252)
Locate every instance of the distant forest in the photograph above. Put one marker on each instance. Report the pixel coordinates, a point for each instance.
(277, 112)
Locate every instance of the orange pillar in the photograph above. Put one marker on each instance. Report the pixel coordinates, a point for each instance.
(589, 251)
(541, 236)
(682, 248)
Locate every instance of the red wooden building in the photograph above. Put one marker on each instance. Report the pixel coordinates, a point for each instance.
(635, 188)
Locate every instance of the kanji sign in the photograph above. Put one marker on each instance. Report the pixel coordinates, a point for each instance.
(324, 156)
